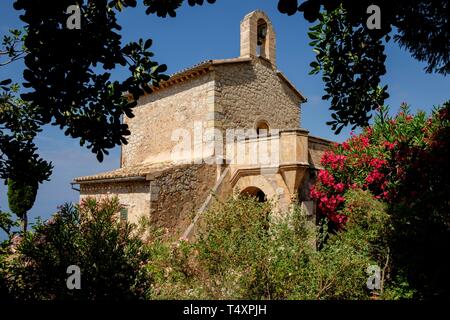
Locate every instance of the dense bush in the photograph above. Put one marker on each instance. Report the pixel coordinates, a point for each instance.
(403, 161)
(245, 251)
(109, 253)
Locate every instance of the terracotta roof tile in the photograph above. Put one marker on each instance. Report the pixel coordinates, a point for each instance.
(127, 172)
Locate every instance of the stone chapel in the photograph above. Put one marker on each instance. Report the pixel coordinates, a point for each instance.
(209, 100)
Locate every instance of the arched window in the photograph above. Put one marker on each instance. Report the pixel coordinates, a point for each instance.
(262, 127)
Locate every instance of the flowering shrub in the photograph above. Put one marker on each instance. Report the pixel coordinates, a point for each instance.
(403, 162)
(383, 159)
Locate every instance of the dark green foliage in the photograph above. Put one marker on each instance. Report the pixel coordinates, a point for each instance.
(109, 253)
(18, 126)
(164, 8)
(422, 203)
(423, 29)
(20, 165)
(352, 62)
(67, 71)
(352, 57)
(21, 197)
(421, 25)
(7, 223)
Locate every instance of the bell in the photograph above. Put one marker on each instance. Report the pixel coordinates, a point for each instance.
(262, 33)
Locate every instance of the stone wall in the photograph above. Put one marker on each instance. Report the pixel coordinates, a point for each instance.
(248, 92)
(305, 187)
(316, 148)
(177, 194)
(159, 114)
(170, 198)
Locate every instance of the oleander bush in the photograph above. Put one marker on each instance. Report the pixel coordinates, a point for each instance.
(403, 161)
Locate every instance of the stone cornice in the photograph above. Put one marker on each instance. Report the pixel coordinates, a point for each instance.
(257, 170)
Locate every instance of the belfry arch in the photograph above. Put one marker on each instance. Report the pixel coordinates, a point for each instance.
(258, 37)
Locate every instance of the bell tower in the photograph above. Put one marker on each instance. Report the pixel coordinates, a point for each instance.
(258, 37)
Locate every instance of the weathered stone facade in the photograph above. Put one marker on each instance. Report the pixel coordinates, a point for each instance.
(248, 92)
(159, 114)
(178, 193)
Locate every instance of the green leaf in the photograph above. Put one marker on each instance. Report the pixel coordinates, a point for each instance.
(148, 44)
(313, 35)
(5, 82)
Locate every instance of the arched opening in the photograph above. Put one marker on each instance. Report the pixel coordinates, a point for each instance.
(258, 37)
(260, 196)
(262, 128)
(254, 192)
(261, 38)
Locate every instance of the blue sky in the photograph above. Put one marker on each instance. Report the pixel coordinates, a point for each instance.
(212, 32)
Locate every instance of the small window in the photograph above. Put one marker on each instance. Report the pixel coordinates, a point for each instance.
(124, 214)
(262, 128)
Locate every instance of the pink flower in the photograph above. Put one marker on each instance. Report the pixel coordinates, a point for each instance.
(389, 145)
(377, 163)
(335, 161)
(345, 146)
(339, 219)
(374, 176)
(326, 178)
(365, 141)
(354, 185)
(339, 187)
(314, 193)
